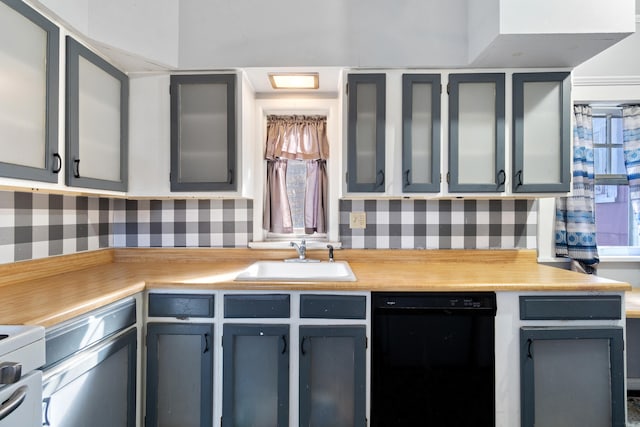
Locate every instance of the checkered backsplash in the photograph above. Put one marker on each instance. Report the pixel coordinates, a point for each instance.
(441, 224)
(34, 225)
(183, 223)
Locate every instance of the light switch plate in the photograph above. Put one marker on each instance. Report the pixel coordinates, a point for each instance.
(357, 220)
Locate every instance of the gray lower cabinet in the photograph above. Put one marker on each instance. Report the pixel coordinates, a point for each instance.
(255, 375)
(332, 376)
(179, 375)
(95, 387)
(572, 377)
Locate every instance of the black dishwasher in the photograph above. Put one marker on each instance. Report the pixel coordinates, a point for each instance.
(432, 359)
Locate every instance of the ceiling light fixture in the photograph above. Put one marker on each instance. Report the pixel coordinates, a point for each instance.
(294, 80)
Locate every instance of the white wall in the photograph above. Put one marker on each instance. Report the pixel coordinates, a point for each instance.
(566, 16)
(281, 33)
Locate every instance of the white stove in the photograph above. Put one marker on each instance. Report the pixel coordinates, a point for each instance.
(22, 352)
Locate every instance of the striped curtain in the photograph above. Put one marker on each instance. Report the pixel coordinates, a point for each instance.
(575, 215)
(631, 145)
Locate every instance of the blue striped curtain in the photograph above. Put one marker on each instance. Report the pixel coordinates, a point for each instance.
(631, 145)
(575, 215)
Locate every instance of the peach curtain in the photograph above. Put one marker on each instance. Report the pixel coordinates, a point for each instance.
(296, 138)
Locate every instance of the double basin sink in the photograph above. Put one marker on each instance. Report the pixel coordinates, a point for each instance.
(298, 271)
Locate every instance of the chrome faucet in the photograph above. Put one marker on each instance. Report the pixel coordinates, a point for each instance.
(301, 248)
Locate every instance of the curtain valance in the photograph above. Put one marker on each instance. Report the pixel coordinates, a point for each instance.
(297, 138)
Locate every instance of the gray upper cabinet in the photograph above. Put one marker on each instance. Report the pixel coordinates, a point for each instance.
(203, 132)
(421, 133)
(476, 132)
(541, 132)
(366, 132)
(97, 121)
(29, 57)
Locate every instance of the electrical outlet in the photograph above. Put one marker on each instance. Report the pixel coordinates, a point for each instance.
(357, 220)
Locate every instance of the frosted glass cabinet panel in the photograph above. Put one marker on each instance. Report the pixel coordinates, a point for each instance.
(541, 132)
(29, 46)
(203, 138)
(476, 133)
(179, 375)
(365, 133)
(97, 121)
(255, 376)
(421, 132)
(332, 376)
(572, 377)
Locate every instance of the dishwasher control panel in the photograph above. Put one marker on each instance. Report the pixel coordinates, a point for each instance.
(434, 300)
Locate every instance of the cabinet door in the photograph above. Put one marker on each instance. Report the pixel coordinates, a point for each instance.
(96, 388)
(29, 99)
(179, 375)
(203, 132)
(332, 376)
(255, 376)
(476, 133)
(572, 377)
(97, 121)
(365, 133)
(541, 132)
(421, 133)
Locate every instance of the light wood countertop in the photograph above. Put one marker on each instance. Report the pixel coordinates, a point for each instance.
(49, 291)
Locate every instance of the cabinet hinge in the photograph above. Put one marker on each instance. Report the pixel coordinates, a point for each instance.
(366, 342)
(346, 89)
(346, 177)
(448, 88)
(440, 88)
(440, 178)
(448, 177)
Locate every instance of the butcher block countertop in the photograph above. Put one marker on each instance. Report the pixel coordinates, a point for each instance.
(55, 289)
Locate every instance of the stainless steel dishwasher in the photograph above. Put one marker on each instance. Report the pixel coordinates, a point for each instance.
(433, 359)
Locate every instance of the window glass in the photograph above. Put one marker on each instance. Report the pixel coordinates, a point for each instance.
(615, 225)
(296, 184)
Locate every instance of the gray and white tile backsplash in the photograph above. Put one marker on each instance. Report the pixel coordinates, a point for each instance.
(34, 225)
(441, 224)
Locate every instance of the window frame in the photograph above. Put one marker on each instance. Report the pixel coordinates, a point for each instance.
(296, 105)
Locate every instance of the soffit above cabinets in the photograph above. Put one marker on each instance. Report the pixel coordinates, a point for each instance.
(156, 35)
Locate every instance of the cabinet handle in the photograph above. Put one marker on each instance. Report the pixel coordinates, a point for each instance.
(206, 343)
(529, 342)
(47, 402)
(76, 168)
(502, 178)
(519, 178)
(407, 182)
(13, 402)
(284, 342)
(302, 351)
(58, 167)
(380, 173)
(230, 177)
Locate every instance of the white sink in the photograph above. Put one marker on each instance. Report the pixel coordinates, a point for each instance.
(324, 271)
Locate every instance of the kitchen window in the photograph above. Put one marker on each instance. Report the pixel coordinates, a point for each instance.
(285, 106)
(615, 224)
